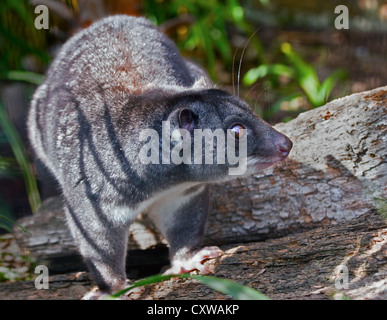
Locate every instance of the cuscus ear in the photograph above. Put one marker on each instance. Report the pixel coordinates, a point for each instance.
(187, 120)
(183, 119)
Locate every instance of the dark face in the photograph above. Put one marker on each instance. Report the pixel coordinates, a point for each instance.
(248, 142)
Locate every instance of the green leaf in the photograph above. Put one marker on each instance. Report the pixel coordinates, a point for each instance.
(236, 290)
(26, 76)
(237, 13)
(144, 282)
(8, 166)
(254, 74)
(231, 288)
(5, 218)
(305, 74)
(264, 70)
(21, 9)
(328, 85)
(307, 77)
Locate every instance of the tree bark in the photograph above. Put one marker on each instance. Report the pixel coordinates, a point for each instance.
(301, 266)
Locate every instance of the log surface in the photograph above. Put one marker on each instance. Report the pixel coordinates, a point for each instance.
(298, 266)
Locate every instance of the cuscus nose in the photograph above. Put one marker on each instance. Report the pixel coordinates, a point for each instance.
(282, 145)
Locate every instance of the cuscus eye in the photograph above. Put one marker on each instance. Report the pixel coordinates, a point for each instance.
(238, 130)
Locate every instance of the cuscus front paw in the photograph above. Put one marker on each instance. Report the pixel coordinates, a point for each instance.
(95, 294)
(195, 262)
(132, 294)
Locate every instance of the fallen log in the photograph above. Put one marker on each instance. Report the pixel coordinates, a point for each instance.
(304, 265)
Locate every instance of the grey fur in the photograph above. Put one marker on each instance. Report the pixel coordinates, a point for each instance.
(108, 82)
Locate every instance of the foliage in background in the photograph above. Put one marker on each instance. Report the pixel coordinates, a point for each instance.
(20, 155)
(21, 46)
(299, 74)
(208, 35)
(18, 40)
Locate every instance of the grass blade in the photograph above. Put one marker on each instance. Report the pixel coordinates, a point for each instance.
(236, 290)
(15, 75)
(231, 288)
(5, 218)
(144, 282)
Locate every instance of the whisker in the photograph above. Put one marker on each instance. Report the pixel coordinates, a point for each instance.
(243, 52)
(232, 71)
(255, 85)
(264, 90)
(259, 93)
(267, 96)
(251, 160)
